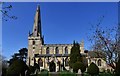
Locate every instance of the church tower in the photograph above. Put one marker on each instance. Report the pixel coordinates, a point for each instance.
(35, 40)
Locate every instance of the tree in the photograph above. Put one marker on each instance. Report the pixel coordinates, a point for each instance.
(117, 69)
(106, 40)
(93, 69)
(18, 67)
(3, 65)
(23, 54)
(75, 54)
(0, 62)
(79, 65)
(14, 57)
(6, 12)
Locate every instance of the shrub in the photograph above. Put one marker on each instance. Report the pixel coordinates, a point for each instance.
(93, 69)
(31, 69)
(75, 67)
(44, 70)
(79, 65)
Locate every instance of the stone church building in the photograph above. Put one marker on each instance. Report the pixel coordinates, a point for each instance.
(42, 53)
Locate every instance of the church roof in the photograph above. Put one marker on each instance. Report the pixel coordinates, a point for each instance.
(50, 55)
(56, 55)
(51, 45)
(96, 54)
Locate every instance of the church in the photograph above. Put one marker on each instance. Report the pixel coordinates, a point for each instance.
(42, 53)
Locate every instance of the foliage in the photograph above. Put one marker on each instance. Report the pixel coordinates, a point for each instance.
(43, 72)
(31, 69)
(79, 65)
(76, 67)
(66, 73)
(82, 67)
(22, 55)
(93, 69)
(75, 54)
(17, 67)
(106, 74)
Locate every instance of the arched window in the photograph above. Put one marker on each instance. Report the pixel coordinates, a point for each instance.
(33, 43)
(47, 61)
(99, 62)
(56, 50)
(58, 62)
(66, 61)
(47, 50)
(40, 62)
(66, 50)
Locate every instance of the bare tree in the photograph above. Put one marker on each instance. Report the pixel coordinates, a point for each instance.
(107, 40)
(6, 12)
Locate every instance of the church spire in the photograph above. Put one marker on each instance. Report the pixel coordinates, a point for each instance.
(37, 23)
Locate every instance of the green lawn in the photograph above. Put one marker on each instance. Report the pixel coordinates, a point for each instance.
(67, 73)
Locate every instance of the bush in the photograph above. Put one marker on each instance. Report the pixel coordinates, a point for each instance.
(44, 70)
(79, 65)
(93, 69)
(31, 69)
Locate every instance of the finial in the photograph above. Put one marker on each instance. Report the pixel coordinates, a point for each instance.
(29, 32)
(38, 6)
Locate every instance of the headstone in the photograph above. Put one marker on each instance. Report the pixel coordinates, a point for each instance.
(79, 71)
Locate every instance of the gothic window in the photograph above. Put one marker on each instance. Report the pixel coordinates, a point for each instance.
(58, 62)
(33, 47)
(99, 62)
(47, 50)
(35, 29)
(66, 50)
(33, 42)
(47, 61)
(40, 62)
(66, 61)
(57, 50)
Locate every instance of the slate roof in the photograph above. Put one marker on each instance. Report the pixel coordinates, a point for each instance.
(96, 54)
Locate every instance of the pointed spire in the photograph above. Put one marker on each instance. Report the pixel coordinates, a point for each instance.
(82, 43)
(37, 23)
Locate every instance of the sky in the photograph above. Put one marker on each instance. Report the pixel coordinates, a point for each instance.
(61, 22)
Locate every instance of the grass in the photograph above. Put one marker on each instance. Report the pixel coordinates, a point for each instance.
(67, 73)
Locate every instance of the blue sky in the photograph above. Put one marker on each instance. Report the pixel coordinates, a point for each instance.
(61, 22)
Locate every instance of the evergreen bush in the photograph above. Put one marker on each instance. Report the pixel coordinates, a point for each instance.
(93, 69)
